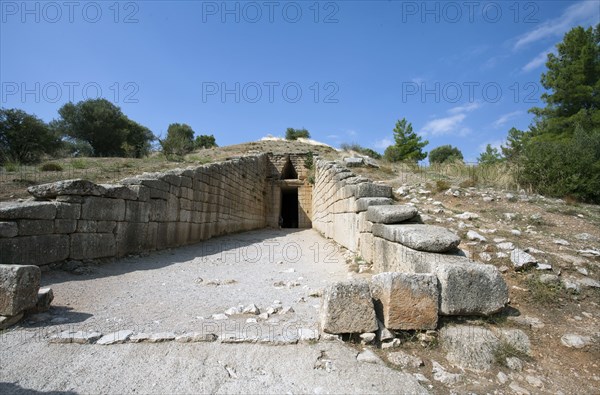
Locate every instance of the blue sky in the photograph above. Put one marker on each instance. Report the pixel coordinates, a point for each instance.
(461, 72)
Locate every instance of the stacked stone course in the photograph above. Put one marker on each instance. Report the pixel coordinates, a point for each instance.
(77, 219)
(360, 216)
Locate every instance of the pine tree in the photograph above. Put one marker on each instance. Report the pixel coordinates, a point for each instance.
(407, 144)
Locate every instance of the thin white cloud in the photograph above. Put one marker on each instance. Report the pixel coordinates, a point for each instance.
(465, 108)
(452, 124)
(539, 60)
(444, 125)
(503, 119)
(582, 13)
(383, 143)
(352, 133)
(333, 136)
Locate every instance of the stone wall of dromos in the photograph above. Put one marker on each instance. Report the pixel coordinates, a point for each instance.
(153, 211)
(339, 208)
(340, 205)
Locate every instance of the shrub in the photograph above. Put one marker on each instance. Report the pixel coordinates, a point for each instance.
(295, 134)
(51, 166)
(564, 167)
(205, 141)
(441, 185)
(179, 141)
(11, 167)
(445, 153)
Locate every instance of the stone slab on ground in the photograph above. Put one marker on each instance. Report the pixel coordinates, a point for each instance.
(19, 285)
(406, 301)
(347, 307)
(427, 238)
(115, 338)
(79, 337)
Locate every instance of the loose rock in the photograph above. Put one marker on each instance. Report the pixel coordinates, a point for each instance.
(573, 340)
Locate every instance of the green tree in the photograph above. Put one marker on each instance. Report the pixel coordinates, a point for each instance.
(205, 141)
(490, 156)
(515, 144)
(24, 138)
(564, 167)
(445, 153)
(179, 141)
(138, 140)
(104, 127)
(295, 134)
(407, 144)
(573, 81)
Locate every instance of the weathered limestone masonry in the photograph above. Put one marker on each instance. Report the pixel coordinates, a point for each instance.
(423, 274)
(78, 219)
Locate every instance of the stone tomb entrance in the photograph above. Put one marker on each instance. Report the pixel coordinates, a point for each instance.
(290, 197)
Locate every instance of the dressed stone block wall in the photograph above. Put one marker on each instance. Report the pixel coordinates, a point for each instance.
(341, 201)
(78, 219)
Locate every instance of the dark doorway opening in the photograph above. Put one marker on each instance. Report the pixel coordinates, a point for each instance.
(289, 208)
(288, 172)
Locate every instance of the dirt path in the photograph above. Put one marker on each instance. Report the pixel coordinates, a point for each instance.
(180, 291)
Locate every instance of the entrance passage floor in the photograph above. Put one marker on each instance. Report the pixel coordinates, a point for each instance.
(188, 290)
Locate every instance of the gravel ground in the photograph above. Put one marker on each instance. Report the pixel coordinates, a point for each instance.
(179, 291)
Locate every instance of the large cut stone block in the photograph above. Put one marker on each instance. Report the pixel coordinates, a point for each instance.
(427, 238)
(19, 285)
(347, 307)
(27, 210)
(406, 301)
(103, 209)
(363, 204)
(66, 187)
(471, 289)
(391, 214)
(67, 210)
(466, 287)
(32, 227)
(92, 245)
(367, 189)
(345, 230)
(137, 211)
(119, 192)
(8, 229)
(130, 237)
(34, 250)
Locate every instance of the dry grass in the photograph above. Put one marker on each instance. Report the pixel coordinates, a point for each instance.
(15, 178)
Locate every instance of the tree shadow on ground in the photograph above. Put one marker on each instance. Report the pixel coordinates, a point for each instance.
(16, 389)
